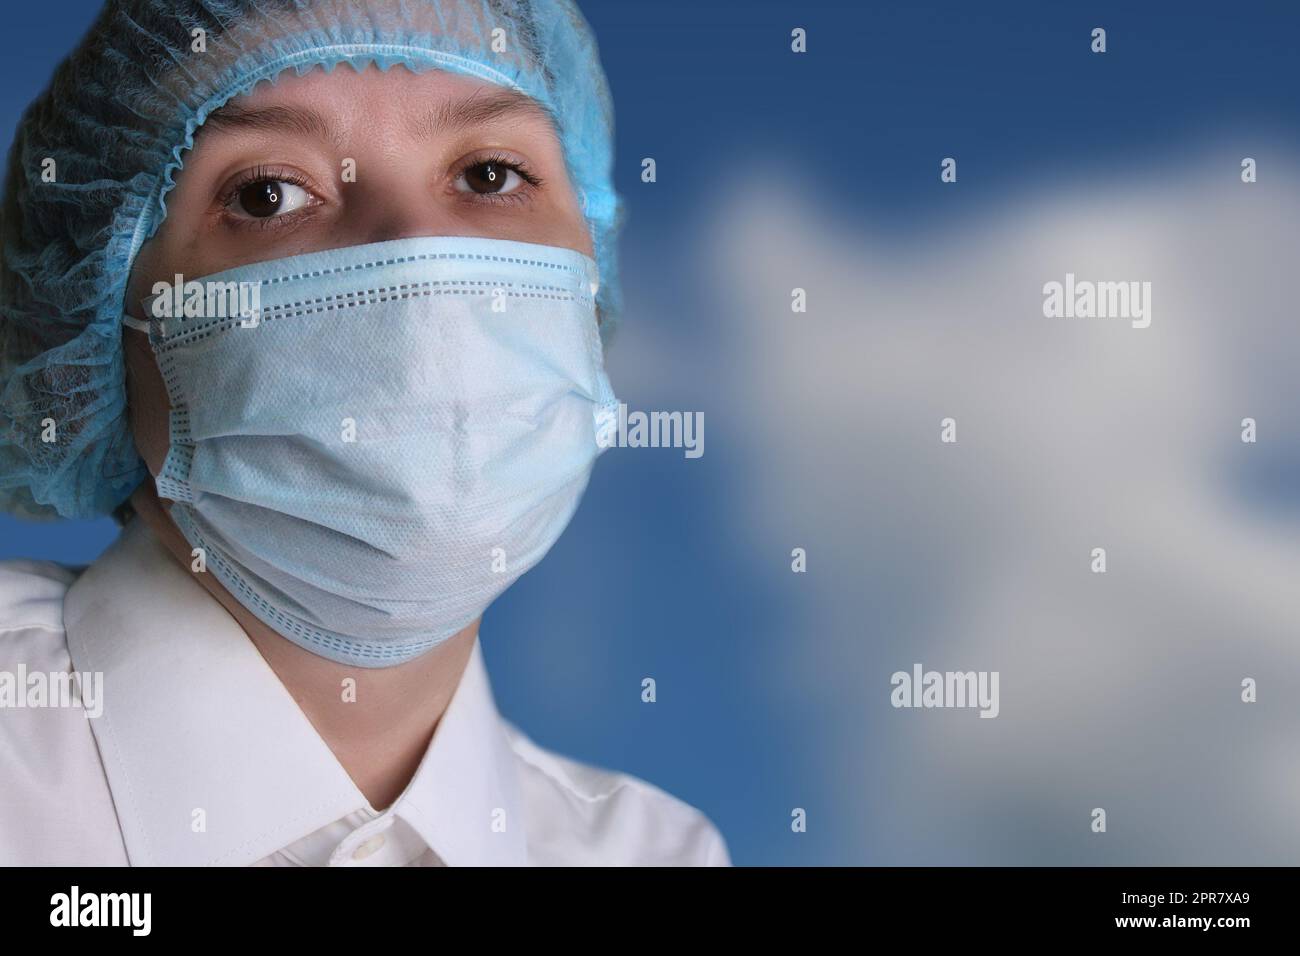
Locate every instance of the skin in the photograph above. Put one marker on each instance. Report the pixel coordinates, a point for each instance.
(414, 176)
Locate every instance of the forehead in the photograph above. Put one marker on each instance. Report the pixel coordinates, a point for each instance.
(424, 104)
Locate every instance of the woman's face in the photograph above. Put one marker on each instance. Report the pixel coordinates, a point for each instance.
(322, 161)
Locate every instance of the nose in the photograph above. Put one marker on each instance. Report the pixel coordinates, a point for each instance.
(392, 204)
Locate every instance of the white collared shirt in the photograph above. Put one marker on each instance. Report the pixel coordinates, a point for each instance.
(200, 756)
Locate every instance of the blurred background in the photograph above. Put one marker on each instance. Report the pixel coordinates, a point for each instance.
(821, 171)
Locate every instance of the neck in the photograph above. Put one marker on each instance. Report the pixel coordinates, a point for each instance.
(377, 721)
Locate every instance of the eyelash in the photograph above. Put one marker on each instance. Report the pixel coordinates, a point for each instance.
(262, 174)
(519, 195)
(259, 174)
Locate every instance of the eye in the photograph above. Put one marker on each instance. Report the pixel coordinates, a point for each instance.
(267, 198)
(490, 177)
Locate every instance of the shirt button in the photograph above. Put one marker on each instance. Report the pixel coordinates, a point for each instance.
(369, 848)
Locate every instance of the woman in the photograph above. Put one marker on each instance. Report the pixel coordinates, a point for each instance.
(311, 296)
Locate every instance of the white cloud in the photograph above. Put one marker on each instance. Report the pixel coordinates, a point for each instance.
(1118, 690)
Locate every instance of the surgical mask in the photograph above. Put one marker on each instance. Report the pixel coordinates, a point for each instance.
(395, 433)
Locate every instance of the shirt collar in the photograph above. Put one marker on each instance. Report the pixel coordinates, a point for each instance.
(210, 760)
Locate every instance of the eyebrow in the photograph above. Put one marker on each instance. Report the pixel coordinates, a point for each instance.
(273, 119)
(479, 108)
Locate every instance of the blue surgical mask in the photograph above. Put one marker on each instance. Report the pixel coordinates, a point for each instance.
(388, 439)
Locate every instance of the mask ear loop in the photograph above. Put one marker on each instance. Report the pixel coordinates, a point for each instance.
(143, 325)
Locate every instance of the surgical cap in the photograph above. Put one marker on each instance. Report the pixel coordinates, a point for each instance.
(94, 157)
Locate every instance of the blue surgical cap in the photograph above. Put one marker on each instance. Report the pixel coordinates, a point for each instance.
(95, 155)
